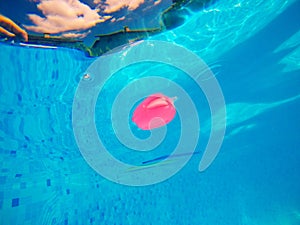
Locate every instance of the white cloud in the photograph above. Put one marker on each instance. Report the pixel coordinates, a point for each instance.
(117, 19)
(121, 18)
(157, 2)
(111, 6)
(75, 35)
(64, 15)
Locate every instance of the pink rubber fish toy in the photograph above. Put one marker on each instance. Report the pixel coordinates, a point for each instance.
(155, 111)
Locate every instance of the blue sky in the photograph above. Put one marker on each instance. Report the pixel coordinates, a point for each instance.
(83, 18)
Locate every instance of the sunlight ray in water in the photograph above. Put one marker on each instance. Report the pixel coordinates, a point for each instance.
(242, 111)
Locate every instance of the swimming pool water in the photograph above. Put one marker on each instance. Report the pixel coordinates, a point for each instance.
(253, 50)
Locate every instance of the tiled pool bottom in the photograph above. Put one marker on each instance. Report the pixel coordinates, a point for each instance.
(45, 180)
(254, 180)
(36, 160)
(63, 199)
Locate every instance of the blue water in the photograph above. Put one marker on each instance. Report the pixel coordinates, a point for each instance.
(253, 50)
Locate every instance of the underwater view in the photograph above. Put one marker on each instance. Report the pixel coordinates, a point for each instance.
(150, 112)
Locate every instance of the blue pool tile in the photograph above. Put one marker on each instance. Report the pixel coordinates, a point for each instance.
(68, 191)
(13, 152)
(18, 175)
(15, 202)
(19, 97)
(2, 179)
(48, 182)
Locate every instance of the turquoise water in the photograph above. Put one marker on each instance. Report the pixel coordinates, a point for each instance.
(253, 50)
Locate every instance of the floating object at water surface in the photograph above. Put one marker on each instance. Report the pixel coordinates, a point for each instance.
(155, 111)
